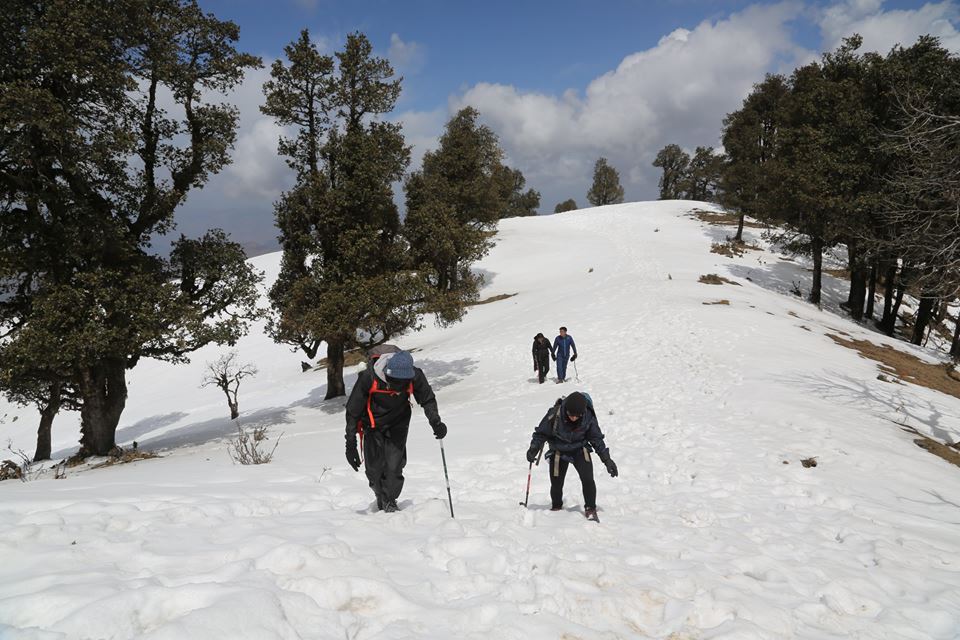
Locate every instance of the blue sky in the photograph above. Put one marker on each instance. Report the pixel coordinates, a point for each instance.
(562, 83)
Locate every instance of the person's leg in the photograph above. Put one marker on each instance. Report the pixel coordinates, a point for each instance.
(561, 369)
(374, 463)
(542, 369)
(583, 463)
(558, 471)
(395, 459)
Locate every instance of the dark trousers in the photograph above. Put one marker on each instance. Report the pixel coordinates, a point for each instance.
(384, 457)
(561, 368)
(558, 472)
(543, 368)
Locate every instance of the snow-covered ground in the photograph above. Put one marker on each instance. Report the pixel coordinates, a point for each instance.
(713, 529)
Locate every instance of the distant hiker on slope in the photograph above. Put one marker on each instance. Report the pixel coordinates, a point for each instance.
(542, 352)
(379, 410)
(562, 345)
(571, 429)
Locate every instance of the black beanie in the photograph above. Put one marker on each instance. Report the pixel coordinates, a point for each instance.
(575, 404)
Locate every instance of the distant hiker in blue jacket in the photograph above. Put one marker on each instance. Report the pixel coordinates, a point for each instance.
(562, 345)
(571, 430)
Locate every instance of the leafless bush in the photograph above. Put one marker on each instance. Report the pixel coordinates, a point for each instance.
(246, 447)
(226, 374)
(20, 467)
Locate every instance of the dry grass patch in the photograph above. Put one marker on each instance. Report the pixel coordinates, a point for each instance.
(712, 278)
(724, 219)
(126, 457)
(905, 366)
(502, 296)
(350, 358)
(723, 302)
(732, 249)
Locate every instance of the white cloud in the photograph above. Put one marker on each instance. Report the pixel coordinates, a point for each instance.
(881, 29)
(407, 57)
(677, 91)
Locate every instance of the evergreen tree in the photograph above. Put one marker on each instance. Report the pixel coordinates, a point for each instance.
(675, 163)
(517, 202)
(702, 178)
(606, 187)
(82, 294)
(566, 205)
(749, 141)
(453, 204)
(344, 278)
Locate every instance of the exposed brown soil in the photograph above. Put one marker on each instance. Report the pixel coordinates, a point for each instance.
(502, 296)
(126, 457)
(725, 302)
(905, 366)
(712, 278)
(732, 249)
(725, 219)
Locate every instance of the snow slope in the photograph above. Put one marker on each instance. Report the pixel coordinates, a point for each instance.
(713, 529)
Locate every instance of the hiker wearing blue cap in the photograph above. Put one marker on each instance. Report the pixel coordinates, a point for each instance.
(378, 410)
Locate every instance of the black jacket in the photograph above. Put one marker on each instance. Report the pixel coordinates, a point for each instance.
(542, 350)
(390, 410)
(565, 436)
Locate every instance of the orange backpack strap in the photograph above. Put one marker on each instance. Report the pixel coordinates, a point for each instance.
(375, 388)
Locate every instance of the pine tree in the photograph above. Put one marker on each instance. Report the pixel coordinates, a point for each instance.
(517, 202)
(749, 142)
(606, 187)
(82, 292)
(453, 204)
(344, 278)
(675, 163)
(566, 205)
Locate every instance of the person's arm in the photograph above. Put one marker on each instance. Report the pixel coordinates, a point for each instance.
(357, 403)
(542, 433)
(573, 346)
(595, 438)
(423, 394)
(556, 345)
(534, 352)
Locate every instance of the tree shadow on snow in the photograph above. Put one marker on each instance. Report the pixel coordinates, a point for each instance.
(785, 277)
(890, 404)
(442, 374)
(218, 428)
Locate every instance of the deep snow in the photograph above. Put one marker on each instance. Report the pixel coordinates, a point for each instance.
(707, 533)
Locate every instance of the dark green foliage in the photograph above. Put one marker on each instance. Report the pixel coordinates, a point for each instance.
(675, 163)
(344, 279)
(92, 167)
(606, 187)
(702, 178)
(516, 201)
(453, 204)
(566, 205)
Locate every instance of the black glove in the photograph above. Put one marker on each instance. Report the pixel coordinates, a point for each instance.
(611, 467)
(440, 430)
(534, 366)
(353, 456)
(532, 454)
(573, 358)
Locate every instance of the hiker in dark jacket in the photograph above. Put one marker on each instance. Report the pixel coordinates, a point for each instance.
(571, 430)
(562, 345)
(379, 409)
(542, 352)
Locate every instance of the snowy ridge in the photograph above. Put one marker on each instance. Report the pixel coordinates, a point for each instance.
(705, 534)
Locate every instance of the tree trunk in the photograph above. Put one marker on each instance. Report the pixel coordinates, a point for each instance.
(335, 385)
(858, 281)
(901, 289)
(47, 414)
(889, 319)
(103, 390)
(924, 313)
(955, 347)
(816, 247)
(234, 410)
(871, 290)
(739, 236)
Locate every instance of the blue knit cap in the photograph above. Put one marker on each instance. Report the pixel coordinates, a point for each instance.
(400, 366)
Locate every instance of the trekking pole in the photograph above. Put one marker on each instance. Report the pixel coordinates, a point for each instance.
(526, 498)
(576, 373)
(449, 497)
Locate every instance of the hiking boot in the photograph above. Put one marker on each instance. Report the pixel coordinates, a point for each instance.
(556, 508)
(390, 506)
(591, 514)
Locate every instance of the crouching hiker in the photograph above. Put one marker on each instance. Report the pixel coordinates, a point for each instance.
(572, 432)
(379, 411)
